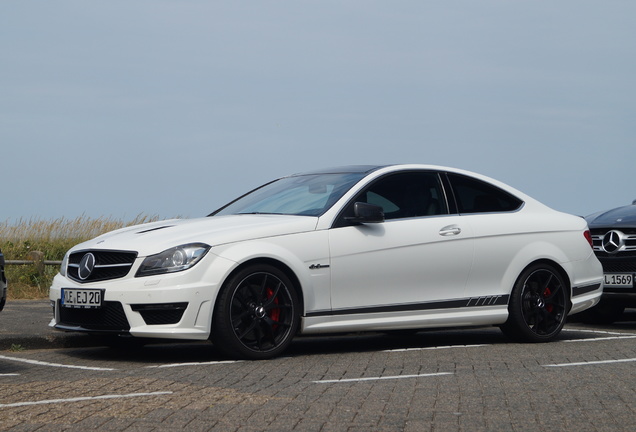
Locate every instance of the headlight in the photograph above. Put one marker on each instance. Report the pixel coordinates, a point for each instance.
(173, 260)
(64, 264)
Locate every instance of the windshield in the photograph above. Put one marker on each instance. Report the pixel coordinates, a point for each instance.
(303, 195)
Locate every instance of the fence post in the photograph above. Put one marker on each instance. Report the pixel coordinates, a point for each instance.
(38, 261)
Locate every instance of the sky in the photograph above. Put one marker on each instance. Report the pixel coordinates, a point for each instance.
(118, 108)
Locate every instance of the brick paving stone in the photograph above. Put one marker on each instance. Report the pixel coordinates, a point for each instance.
(499, 387)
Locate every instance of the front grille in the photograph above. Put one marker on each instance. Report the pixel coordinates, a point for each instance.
(627, 241)
(110, 317)
(108, 265)
(157, 314)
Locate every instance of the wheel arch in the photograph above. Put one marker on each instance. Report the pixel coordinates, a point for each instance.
(537, 252)
(297, 285)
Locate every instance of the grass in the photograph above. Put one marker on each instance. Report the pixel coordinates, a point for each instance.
(19, 240)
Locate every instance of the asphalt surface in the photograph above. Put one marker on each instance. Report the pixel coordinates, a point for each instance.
(437, 381)
(24, 324)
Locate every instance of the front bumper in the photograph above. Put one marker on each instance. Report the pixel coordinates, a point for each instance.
(172, 306)
(182, 313)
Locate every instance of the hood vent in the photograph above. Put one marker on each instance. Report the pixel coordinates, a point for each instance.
(155, 229)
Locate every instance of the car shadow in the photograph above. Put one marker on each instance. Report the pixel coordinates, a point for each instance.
(394, 340)
(160, 352)
(627, 321)
(168, 352)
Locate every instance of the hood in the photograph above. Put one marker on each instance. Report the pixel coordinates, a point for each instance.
(621, 217)
(155, 237)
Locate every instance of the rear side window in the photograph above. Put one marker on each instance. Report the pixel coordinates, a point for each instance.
(476, 196)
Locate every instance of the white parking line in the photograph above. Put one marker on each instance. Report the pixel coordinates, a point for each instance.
(195, 364)
(381, 378)
(599, 332)
(79, 399)
(611, 335)
(600, 339)
(9, 374)
(41, 363)
(433, 348)
(591, 363)
(596, 331)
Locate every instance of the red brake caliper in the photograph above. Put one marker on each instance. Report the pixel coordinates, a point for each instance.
(549, 307)
(274, 314)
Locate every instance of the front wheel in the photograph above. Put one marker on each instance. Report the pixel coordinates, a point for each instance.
(256, 314)
(538, 305)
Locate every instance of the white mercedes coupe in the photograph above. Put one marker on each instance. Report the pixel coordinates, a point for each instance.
(360, 248)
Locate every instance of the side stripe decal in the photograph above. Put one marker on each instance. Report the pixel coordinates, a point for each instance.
(498, 300)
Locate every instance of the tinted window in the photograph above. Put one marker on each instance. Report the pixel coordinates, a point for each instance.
(405, 195)
(476, 196)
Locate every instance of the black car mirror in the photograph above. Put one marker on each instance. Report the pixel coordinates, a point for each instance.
(366, 213)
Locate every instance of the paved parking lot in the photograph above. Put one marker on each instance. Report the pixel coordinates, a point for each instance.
(464, 380)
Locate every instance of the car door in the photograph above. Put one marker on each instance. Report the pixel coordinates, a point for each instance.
(418, 258)
(499, 232)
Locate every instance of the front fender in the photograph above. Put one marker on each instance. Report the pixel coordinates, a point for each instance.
(306, 255)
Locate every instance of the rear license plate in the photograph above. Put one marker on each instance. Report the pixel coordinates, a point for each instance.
(82, 298)
(619, 280)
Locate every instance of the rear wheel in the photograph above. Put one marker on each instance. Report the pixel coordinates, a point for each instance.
(538, 305)
(256, 315)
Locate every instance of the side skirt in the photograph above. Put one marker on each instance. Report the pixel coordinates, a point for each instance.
(475, 311)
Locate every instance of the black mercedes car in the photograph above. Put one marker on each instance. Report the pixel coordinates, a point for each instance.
(3, 283)
(614, 237)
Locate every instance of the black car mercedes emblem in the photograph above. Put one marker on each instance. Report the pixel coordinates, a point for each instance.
(86, 266)
(612, 241)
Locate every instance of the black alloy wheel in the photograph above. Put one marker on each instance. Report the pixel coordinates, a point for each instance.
(538, 305)
(256, 315)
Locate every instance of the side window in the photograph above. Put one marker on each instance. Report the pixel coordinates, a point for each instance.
(476, 196)
(405, 195)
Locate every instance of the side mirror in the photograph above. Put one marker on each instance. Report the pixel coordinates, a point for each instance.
(366, 213)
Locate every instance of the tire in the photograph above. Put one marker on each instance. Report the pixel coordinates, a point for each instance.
(256, 314)
(538, 306)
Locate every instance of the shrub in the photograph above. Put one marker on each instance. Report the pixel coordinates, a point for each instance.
(52, 238)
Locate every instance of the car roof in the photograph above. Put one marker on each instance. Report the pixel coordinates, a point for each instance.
(347, 169)
(368, 169)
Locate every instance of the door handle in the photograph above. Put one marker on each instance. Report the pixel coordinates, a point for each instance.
(450, 230)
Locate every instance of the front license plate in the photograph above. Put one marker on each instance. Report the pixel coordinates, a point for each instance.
(619, 280)
(82, 298)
